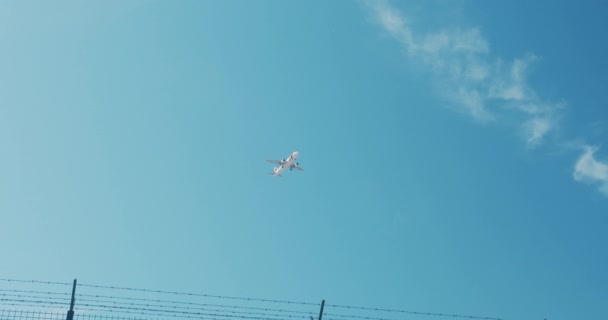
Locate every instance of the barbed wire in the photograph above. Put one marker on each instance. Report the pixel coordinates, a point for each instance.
(36, 281)
(411, 312)
(330, 315)
(8, 297)
(38, 292)
(122, 316)
(143, 313)
(181, 312)
(174, 307)
(194, 303)
(38, 305)
(197, 309)
(34, 303)
(199, 295)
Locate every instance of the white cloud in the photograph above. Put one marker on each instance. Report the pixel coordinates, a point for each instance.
(473, 101)
(511, 84)
(470, 78)
(486, 87)
(395, 25)
(535, 129)
(590, 170)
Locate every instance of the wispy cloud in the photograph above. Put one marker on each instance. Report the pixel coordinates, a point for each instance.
(589, 169)
(470, 77)
(535, 129)
(486, 87)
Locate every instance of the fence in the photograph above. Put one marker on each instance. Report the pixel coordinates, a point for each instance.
(44, 300)
(43, 315)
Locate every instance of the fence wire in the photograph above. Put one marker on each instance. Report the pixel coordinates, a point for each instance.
(46, 300)
(30, 315)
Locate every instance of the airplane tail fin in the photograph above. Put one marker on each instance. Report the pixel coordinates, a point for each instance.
(274, 173)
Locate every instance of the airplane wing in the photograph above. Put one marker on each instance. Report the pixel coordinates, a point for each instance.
(297, 167)
(275, 161)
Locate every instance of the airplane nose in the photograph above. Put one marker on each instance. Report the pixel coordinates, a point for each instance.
(295, 155)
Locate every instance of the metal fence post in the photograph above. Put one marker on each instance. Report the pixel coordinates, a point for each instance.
(320, 312)
(71, 312)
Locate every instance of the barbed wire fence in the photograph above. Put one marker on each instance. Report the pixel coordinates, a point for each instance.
(47, 300)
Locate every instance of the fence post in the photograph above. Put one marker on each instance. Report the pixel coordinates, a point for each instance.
(320, 312)
(71, 312)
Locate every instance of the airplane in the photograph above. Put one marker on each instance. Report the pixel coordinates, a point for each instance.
(290, 163)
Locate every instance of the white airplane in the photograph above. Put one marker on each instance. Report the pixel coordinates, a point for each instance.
(289, 163)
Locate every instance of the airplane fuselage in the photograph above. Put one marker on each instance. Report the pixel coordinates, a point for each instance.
(288, 163)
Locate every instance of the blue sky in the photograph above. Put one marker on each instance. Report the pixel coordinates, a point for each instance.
(454, 151)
